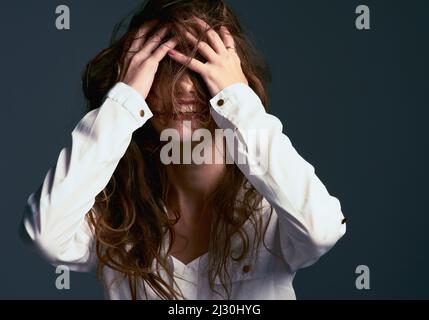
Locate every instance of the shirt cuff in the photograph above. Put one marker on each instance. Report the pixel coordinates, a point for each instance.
(236, 103)
(130, 99)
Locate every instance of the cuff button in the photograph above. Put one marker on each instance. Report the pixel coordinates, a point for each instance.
(220, 102)
(343, 221)
(247, 268)
(142, 113)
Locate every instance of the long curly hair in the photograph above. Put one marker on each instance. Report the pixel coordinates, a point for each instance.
(129, 216)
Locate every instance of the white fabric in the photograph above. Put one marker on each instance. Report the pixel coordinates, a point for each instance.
(306, 222)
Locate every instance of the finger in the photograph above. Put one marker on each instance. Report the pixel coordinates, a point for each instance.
(203, 47)
(194, 64)
(227, 38)
(151, 44)
(138, 41)
(214, 39)
(162, 50)
(140, 36)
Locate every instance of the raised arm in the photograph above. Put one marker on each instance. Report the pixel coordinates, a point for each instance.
(54, 216)
(310, 219)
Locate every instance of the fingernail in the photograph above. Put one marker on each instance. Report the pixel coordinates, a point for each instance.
(171, 52)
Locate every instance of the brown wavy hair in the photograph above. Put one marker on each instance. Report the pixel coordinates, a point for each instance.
(128, 216)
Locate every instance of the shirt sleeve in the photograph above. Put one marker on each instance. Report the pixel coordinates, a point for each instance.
(54, 215)
(310, 219)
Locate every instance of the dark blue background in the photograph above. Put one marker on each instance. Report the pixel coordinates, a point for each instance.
(354, 103)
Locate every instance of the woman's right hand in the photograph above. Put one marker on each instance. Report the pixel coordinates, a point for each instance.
(141, 61)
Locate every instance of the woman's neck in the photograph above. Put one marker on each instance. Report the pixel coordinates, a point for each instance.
(192, 184)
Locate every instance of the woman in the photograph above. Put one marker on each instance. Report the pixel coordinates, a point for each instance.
(159, 230)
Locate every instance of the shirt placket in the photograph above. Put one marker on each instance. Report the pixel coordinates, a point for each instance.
(186, 277)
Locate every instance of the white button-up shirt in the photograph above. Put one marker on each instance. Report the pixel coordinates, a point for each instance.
(306, 222)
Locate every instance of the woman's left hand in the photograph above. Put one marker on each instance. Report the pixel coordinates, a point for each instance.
(223, 66)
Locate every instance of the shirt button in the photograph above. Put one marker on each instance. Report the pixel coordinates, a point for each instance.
(246, 268)
(220, 102)
(142, 113)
